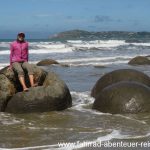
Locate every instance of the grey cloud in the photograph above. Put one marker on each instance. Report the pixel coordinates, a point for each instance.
(136, 23)
(69, 17)
(92, 27)
(102, 19)
(43, 15)
(119, 20)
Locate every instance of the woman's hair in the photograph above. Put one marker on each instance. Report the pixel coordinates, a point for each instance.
(21, 34)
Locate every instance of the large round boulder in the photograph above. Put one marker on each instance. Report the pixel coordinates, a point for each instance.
(117, 76)
(47, 62)
(123, 97)
(51, 94)
(39, 76)
(7, 90)
(139, 60)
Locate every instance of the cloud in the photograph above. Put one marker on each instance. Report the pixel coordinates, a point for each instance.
(135, 22)
(102, 19)
(118, 20)
(47, 15)
(43, 15)
(69, 17)
(92, 26)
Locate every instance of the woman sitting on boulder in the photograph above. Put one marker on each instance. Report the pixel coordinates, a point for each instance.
(19, 60)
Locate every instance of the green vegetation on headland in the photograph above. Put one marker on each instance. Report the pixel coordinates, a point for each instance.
(81, 34)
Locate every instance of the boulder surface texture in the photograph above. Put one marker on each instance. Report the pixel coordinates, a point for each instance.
(140, 60)
(122, 91)
(51, 93)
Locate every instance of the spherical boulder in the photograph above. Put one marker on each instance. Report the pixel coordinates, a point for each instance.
(47, 62)
(123, 97)
(7, 90)
(139, 60)
(39, 76)
(117, 76)
(52, 95)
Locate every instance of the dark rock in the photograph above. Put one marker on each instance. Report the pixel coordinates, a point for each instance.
(7, 90)
(117, 76)
(99, 66)
(64, 65)
(139, 60)
(123, 97)
(47, 62)
(8, 73)
(39, 76)
(51, 94)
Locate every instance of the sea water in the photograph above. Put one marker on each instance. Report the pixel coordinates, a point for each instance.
(87, 61)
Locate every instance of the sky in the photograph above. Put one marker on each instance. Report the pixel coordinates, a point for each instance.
(41, 18)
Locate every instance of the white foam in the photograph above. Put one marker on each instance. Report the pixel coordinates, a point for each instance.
(4, 44)
(98, 44)
(45, 51)
(4, 52)
(141, 44)
(7, 119)
(41, 45)
(52, 46)
(43, 128)
(71, 45)
(96, 60)
(75, 41)
(80, 45)
(42, 51)
(129, 118)
(82, 99)
(103, 44)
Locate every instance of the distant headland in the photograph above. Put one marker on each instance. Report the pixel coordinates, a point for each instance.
(81, 34)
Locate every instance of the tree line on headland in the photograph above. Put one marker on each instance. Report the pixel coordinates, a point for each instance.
(81, 34)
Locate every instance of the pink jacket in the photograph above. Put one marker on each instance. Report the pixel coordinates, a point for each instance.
(18, 52)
